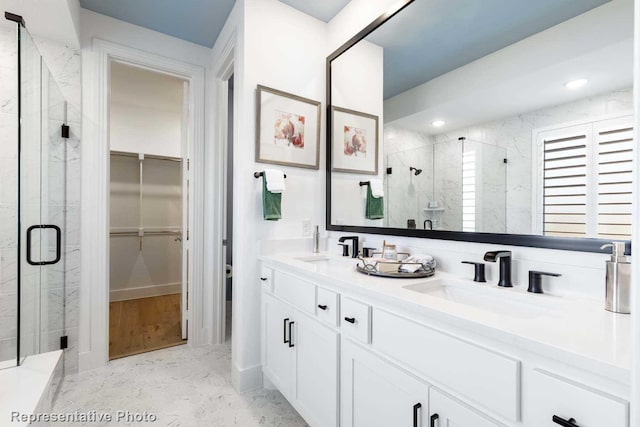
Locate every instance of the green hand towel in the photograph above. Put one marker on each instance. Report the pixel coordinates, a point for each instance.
(271, 203)
(375, 206)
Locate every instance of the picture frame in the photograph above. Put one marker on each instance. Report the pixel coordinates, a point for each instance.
(354, 141)
(288, 129)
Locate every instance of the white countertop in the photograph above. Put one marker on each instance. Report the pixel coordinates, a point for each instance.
(575, 331)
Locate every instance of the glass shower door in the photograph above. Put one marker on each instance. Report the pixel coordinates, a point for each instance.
(41, 205)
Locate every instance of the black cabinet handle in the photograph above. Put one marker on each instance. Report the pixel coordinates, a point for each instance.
(322, 306)
(350, 319)
(264, 279)
(284, 329)
(416, 408)
(433, 419)
(58, 244)
(565, 423)
(290, 336)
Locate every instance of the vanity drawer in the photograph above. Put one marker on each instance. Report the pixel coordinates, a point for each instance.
(298, 292)
(266, 278)
(482, 376)
(355, 319)
(550, 395)
(327, 307)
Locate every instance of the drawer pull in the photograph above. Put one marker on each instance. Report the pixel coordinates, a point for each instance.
(416, 407)
(350, 319)
(290, 336)
(433, 419)
(264, 279)
(284, 329)
(565, 423)
(322, 306)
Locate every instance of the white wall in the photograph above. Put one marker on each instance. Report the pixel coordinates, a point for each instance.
(352, 90)
(54, 20)
(273, 31)
(146, 111)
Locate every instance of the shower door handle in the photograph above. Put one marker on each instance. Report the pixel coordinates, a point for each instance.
(58, 244)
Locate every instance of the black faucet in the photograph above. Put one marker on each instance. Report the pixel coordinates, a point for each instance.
(424, 225)
(355, 245)
(505, 266)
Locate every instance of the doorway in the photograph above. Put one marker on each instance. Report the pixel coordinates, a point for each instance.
(148, 210)
(228, 203)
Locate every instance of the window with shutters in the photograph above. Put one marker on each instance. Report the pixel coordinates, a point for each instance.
(586, 180)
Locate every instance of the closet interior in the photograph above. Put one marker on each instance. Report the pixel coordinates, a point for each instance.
(148, 212)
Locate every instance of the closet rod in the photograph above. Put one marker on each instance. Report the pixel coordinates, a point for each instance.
(146, 233)
(146, 156)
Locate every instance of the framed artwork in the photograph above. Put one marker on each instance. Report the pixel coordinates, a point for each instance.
(354, 141)
(288, 129)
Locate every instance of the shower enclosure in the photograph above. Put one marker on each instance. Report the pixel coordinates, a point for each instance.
(461, 186)
(33, 200)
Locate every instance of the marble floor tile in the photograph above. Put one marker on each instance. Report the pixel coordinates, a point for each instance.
(182, 386)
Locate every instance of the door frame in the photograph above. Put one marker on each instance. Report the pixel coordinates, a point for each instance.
(94, 244)
(216, 156)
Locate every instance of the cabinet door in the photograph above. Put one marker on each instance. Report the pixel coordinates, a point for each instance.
(445, 411)
(278, 363)
(375, 393)
(316, 377)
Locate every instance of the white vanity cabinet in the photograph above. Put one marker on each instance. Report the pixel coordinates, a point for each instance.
(300, 357)
(353, 361)
(374, 393)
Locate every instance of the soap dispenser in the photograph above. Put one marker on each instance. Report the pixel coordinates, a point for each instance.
(618, 293)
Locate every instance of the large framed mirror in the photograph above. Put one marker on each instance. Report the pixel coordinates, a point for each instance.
(497, 122)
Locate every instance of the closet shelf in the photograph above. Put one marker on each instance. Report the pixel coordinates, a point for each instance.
(146, 156)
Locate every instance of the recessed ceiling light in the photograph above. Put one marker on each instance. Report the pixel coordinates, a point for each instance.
(576, 84)
(438, 123)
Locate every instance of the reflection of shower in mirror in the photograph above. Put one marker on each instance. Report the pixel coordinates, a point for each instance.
(416, 171)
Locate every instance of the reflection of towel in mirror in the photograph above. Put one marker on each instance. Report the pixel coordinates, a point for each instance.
(271, 203)
(275, 180)
(374, 208)
(377, 188)
(427, 262)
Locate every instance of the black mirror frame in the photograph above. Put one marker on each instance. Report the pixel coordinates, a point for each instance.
(528, 240)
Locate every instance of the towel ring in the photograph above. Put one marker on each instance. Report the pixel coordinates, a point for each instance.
(259, 174)
(363, 183)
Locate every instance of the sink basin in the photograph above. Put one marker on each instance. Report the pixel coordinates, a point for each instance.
(495, 300)
(313, 258)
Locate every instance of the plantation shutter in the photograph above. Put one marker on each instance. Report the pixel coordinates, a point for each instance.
(615, 162)
(566, 159)
(587, 180)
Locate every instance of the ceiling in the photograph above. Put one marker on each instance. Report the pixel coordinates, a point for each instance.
(196, 21)
(529, 75)
(438, 36)
(323, 10)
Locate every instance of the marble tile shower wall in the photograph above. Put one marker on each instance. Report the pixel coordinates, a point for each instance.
(61, 195)
(8, 193)
(406, 193)
(514, 134)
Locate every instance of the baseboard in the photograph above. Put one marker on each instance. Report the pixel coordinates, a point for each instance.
(145, 292)
(246, 379)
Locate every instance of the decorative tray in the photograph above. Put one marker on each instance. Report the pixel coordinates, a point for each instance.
(386, 268)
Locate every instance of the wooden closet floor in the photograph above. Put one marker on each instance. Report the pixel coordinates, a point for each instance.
(145, 324)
